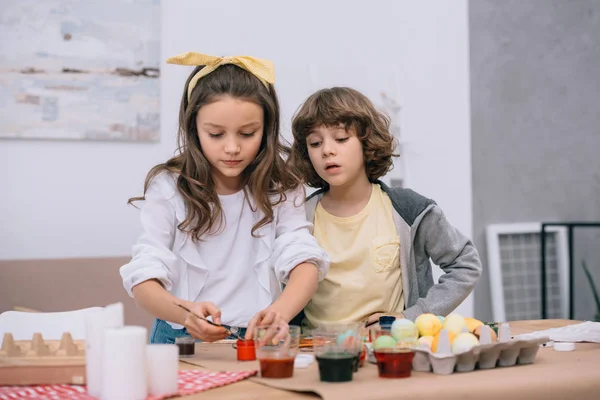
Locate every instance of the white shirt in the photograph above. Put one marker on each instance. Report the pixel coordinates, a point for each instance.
(165, 253)
(227, 253)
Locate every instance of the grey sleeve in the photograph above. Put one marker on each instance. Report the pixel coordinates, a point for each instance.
(311, 206)
(455, 254)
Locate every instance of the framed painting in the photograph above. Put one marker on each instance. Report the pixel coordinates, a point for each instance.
(73, 70)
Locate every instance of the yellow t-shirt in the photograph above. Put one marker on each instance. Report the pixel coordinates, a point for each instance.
(364, 275)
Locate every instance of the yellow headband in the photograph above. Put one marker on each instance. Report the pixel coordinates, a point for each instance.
(261, 68)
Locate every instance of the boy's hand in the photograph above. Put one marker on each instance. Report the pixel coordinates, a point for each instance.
(373, 318)
(201, 329)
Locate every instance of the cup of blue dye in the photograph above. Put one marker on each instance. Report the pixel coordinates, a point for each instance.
(386, 321)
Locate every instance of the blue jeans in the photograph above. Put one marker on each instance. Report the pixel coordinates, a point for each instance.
(164, 333)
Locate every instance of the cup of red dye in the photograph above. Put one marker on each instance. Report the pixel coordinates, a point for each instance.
(394, 357)
(394, 363)
(276, 349)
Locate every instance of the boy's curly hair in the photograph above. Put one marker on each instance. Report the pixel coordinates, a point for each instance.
(350, 108)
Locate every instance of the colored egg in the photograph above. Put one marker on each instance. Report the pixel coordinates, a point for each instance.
(425, 342)
(464, 342)
(346, 337)
(456, 324)
(403, 329)
(343, 336)
(383, 342)
(477, 333)
(472, 323)
(428, 325)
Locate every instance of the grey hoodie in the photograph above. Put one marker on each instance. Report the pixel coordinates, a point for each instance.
(425, 233)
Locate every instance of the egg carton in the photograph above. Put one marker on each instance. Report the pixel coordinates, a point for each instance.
(505, 352)
(39, 361)
(498, 354)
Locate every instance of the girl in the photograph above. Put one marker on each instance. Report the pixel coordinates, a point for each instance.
(379, 239)
(224, 226)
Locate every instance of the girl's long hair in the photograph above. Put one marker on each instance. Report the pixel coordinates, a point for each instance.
(265, 179)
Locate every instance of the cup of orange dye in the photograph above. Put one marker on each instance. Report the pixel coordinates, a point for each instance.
(246, 350)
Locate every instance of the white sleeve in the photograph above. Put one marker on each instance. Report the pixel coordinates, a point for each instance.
(152, 255)
(294, 242)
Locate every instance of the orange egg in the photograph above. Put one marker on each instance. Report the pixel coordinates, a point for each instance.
(477, 332)
(472, 323)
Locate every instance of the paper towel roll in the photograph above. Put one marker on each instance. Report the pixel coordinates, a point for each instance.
(124, 364)
(163, 365)
(96, 322)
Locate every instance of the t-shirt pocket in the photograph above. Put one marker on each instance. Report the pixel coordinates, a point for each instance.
(386, 253)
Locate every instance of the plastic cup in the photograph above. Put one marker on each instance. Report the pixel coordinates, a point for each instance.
(186, 345)
(335, 353)
(394, 355)
(246, 350)
(276, 349)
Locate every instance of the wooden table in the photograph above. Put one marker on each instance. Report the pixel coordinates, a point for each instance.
(535, 380)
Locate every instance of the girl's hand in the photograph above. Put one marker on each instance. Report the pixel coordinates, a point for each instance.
(268, 317)
(201, 329)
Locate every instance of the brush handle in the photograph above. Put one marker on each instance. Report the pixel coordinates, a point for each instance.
(199, 317)
(236, 333)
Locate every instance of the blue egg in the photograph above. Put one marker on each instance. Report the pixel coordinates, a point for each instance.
(343, 336)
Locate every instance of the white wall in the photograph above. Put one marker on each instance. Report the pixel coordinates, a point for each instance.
(68, 198)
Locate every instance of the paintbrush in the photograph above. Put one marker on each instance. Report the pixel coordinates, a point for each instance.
(199, 317)
(236, 334)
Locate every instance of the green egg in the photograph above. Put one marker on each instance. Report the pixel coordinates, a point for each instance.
(383, 342)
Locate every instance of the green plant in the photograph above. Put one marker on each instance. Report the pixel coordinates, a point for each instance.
(594, 290)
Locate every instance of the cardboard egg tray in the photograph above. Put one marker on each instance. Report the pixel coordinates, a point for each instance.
(498, 354)
(488, 354)
(38, 361)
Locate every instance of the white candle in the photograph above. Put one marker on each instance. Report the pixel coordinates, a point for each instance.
(124, 364)
(96, 322)
(163, 365)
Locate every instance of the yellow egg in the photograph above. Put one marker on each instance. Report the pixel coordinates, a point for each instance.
(428, 324)
(404, 329)
(456, 324)
(464, 342)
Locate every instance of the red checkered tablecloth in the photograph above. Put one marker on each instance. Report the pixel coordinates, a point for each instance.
(190, 382)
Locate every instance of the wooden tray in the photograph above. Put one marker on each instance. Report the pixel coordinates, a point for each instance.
(42, 362)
